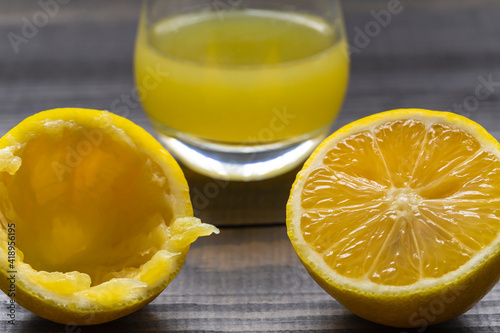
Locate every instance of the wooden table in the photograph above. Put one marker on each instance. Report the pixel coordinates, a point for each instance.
(432, 54)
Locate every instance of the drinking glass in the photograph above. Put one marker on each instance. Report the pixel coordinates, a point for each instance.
(241, 89)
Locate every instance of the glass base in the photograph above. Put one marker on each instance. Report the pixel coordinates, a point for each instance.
(240, 162)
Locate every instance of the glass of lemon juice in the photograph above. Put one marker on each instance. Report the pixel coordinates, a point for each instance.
(237, 89)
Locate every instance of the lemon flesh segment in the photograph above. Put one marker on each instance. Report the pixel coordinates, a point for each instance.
(398, 204)
(424, 199)
(101, 213)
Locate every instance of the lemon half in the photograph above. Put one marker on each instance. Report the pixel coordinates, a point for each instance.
(397, 216)
(95, 215)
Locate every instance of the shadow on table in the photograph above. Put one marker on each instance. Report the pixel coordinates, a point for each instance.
(356, 324)
(146, 320)
(236, 203)
(143, 320)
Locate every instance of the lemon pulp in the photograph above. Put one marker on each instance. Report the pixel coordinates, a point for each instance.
(402, 202)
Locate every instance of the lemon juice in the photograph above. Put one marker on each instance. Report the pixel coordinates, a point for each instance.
(244, 77)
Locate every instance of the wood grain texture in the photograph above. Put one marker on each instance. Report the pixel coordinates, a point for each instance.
(248, 279)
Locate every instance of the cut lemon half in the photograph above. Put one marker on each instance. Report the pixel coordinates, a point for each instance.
(95, 215)
(397, 216)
